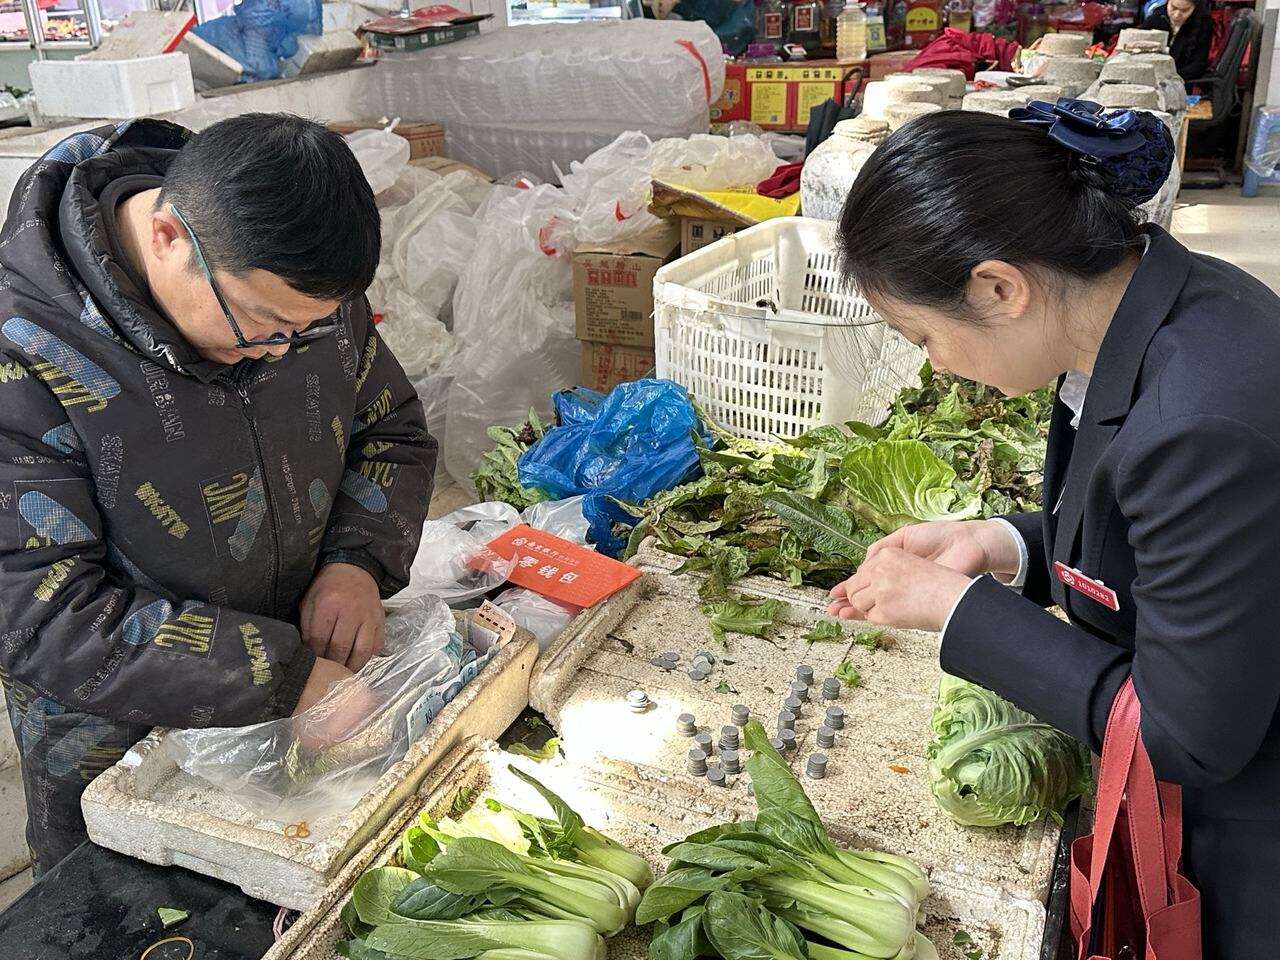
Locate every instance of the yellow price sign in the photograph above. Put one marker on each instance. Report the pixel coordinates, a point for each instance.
(768, 103)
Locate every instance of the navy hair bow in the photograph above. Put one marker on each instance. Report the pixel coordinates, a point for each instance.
(1129, 152)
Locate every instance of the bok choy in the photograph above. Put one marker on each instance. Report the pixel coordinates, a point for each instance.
(778, 887)
(496, 883)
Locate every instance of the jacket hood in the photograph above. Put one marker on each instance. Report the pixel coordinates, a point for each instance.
(55, 248)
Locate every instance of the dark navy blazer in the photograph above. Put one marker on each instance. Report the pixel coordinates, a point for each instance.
(1169, 493)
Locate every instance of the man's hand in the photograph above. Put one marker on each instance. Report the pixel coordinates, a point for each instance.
(341, 615)
(317, 727)
(899, 589)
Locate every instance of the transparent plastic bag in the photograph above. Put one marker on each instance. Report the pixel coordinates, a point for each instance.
(382, 155)
(453, 561)
(610, 190)
(419, 341)
(513, 319)
(560, 518)
(544, 618)
(1263, 156)
(293, 769)
(707, 162)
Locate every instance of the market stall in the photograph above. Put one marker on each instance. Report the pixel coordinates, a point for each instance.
(609, 269)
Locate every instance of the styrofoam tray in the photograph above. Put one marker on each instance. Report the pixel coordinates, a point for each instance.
(1004, 928)
(148, 808)
(876, 791)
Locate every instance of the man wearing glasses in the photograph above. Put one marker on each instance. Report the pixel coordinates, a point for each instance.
(212, 470)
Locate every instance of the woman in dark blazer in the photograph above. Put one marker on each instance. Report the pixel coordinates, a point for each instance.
(1010, 252)
(1190, 31)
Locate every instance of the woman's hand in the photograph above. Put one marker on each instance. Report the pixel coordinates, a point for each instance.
(913, 577)
(971, 547)
(898, 589)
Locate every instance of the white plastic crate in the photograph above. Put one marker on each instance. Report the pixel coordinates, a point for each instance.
(113, 89)
(760, 329)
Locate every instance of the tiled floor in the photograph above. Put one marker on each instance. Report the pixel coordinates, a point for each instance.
(1225, 225)
(1218, 222)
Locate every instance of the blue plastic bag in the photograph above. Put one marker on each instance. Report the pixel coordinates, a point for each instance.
(259, 33)
(634, 443)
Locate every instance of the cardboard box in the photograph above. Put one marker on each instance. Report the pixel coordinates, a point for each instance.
(883, 64)
(445, 166)
(425, 139)
(613, 291)
(605, 365)
(696, 233)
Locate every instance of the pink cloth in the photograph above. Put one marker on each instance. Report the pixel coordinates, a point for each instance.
(957, 50)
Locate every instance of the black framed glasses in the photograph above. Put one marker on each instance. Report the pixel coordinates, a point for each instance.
(317, 331)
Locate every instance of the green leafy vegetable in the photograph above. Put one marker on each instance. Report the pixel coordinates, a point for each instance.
(760, 883)
(804, 510)
(497, 477)
(172, 916)
(742, 616)
(873, 640)
(741, 929)
(893, 483)
(825, 631)
(826, 530)
(495, 883)
(848, 674)
(724, 687)
(991, 763)
(548, 751)
(463, 800)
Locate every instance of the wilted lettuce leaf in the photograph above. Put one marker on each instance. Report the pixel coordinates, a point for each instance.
(991, 763)
(825, 631)
(848, 674)
(736, 616)
(893, 483)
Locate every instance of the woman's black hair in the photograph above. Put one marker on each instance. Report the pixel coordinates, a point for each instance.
(952, 189)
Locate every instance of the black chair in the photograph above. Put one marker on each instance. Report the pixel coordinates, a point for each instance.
(1221, 88)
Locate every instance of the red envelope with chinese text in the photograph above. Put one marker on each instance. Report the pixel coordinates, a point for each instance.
(559, 570)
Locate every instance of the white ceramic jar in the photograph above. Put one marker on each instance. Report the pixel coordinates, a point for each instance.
(830, 170)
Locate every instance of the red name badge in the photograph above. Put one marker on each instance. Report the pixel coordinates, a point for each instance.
(1095, 590)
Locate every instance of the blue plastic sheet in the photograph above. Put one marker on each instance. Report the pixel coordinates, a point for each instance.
(634, 443)
(259, 33)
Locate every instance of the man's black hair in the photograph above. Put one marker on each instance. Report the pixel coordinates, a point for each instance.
(275, 192)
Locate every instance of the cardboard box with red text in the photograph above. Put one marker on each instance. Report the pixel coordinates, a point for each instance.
(605, 365)
(613, 290)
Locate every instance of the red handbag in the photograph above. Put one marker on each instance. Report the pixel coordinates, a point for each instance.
(1129, 898)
